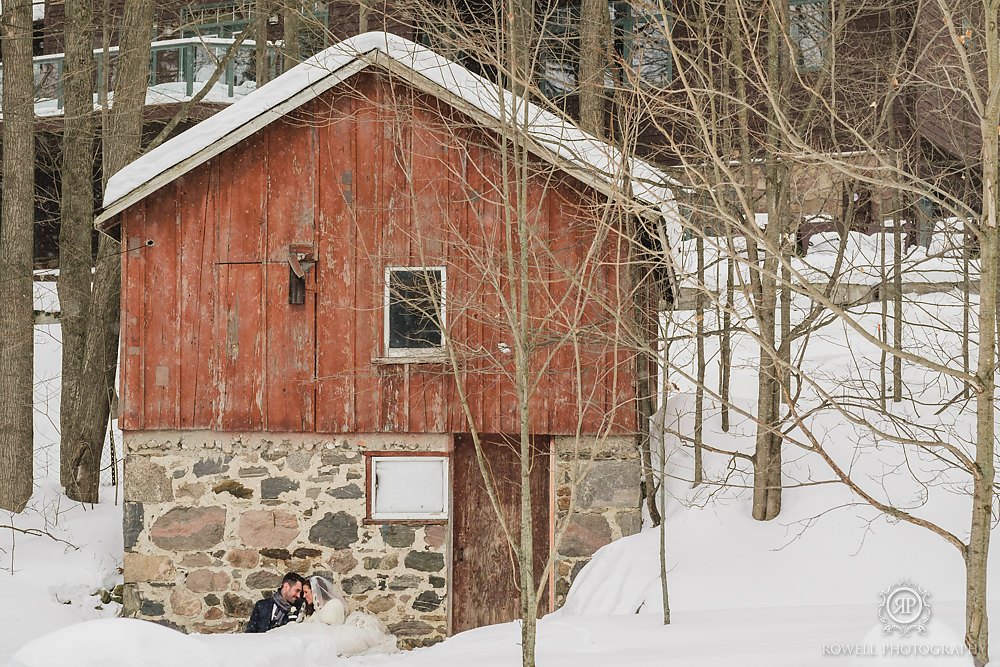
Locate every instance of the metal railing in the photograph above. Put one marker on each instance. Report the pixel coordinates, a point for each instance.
(178, 70)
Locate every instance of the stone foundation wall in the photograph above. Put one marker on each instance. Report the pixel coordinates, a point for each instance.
(213, 521)
(597, 493)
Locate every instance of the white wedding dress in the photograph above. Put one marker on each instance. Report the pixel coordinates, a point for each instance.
(357, 633)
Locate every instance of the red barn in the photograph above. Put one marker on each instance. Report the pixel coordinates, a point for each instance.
(321, 294)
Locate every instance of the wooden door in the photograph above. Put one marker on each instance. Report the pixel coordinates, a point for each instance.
(484, 572)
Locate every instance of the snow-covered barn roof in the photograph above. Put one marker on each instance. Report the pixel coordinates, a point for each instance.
(552, 138)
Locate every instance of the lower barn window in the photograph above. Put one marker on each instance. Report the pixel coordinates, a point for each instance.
(414, 311)
(407, 487)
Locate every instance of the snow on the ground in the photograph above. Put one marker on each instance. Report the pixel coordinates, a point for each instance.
(47, 584)
(801, 590)
(826, 547)
(800, 636)
(114, 642)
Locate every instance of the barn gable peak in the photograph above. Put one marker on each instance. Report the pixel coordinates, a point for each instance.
(548, 136)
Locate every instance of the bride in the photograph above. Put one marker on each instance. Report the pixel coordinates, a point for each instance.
(357, 633)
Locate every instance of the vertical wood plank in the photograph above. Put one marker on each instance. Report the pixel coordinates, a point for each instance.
(336, 270)
(197, 201)
(565, 399)
(368, 259)
(463, 196)
(488, 322)
(242, 182)
(132, 399)
(550, 305)
(395, 224)
(540, 316)
(289, 391)
(241, 318)
(160, 372)
(434, 218)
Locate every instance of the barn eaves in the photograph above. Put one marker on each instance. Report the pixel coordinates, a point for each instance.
(549, 137)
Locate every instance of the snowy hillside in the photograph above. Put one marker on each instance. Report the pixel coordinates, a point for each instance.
(827, 546)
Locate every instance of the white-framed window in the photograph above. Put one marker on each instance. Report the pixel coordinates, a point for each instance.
(809, 30)
(407, 487)
(414, 311)
(642, 36)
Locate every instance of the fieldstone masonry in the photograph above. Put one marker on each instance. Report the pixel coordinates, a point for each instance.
(597, 492)
(212, 521)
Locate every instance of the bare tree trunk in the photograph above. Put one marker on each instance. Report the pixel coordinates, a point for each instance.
(897, 261)
(785, 309)
(76, 221)
(664, 590)
(17, 217)
(897, 313)
(261, 13)
(520, 49)
(967, 238)
(292, 31)
(699, 337)
(526, 551)
(883, 333)
(761, 278)
(977, 551)
(767, 457)
(363, 15)
(745, 200)
(122, 143)
(645, 390)
(726, 338)
(767, 452)
(595, 36)
(897, 240)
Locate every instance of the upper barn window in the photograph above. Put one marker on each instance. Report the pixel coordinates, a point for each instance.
(809, 29)
(414, 311)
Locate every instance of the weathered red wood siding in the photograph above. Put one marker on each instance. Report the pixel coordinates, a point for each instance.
(377, 177)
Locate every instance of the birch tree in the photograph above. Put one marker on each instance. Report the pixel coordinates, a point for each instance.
(984, 94)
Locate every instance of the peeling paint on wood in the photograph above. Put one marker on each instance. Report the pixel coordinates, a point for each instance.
(370, 178)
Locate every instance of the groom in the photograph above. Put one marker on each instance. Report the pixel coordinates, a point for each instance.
(273, 612)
